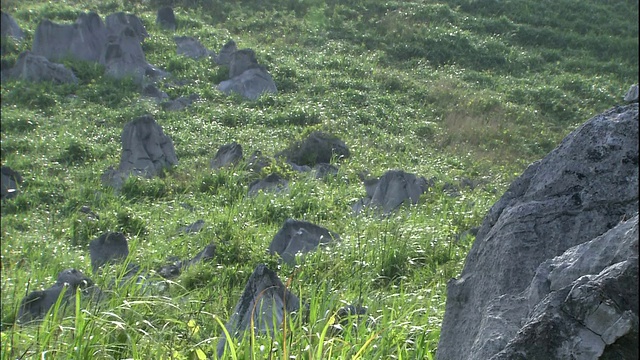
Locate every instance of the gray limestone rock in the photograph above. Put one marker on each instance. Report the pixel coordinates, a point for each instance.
(299, 237)
(271, 183)
(391, 190)
(576, 193)
(263, 304)
(36, 304)
(109, 247)
(193, 228)
(166, 19)
(224, 57)
(180, 103)
(632, 94)
(117, 22)
(318, 147)
(146, 151)
(83, 40)
(34, 68)
(191, 47)
(10, 28)
(250, 84)
(173, 270)
(227, 155)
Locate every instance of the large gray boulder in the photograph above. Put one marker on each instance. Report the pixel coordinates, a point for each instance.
(35, 68)
(582, 304)
(117, 22)
(166, 19)
(83, 40)
(263, 304)
(36, 304)
(576, 193)
(123, 57)
(246, 76)
(299, 237)
(10, 28)
(391, 190)
(224, 57)
(146, 151)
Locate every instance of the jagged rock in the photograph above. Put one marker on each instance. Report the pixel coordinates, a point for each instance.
(393, 189)
(190, 47)
(109, 247)
(146, 151)
(166, 19)
(251, 84)
(173, 270)
(241, 61)
(582, 304)
(263, 304)
(273, 182)
(317, 148)
(323, 170)
(224, 57)
(10, 28)
(193, 228)
(36, 68)
(296, 237)
(180, 103)
(10, 181)
(83, 40)
(36, 305)
(123, 56)
(632, 94)
(576, 193)
(116, 23)
(227, 155)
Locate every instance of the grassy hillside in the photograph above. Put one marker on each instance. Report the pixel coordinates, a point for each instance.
(453, 90)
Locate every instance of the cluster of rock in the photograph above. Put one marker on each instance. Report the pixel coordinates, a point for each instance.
(553, 272)
(116, 43)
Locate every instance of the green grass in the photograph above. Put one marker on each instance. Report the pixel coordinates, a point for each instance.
(451, 90)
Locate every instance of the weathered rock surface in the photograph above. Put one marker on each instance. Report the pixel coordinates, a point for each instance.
(83, 40)
(166, 19)
(264, 303)
(180, 103)
(117, 22)
(581, 304)
(123, 56)
(173, 270)
(251, 84)
(257, 162)
(34, 68)
(193, 228)
(391, 190)
(317, 148)
(271, 183)
(299, 237)
(191, 47)
(576, 193)
(146, 151)
(109, 247)
(10, 28)
(10, 180)
(36, 304)
(224, 57)
(227, 155)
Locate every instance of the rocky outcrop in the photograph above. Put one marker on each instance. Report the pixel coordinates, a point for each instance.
(264, 304)
(390, 191)
(299, 237)
(318, 147)
(579, 191)
(224, 57)
(272, 183)
(83, 40)
(246, 76)
(146, 151)
(34, 68)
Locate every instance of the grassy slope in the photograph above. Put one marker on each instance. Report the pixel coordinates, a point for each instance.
(451, 90)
